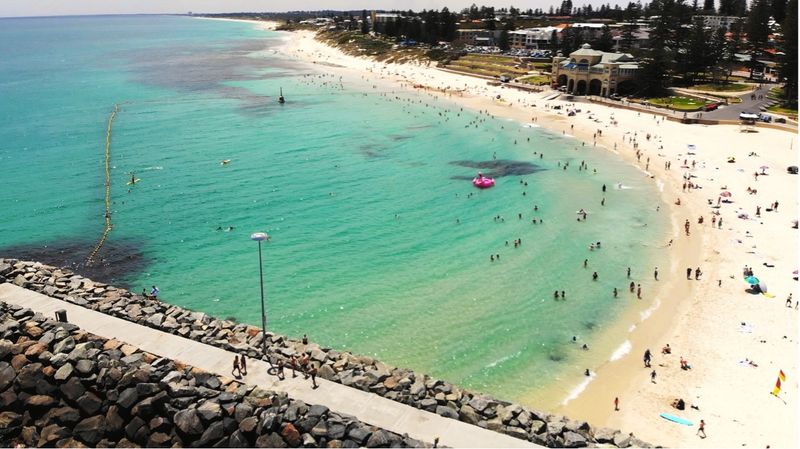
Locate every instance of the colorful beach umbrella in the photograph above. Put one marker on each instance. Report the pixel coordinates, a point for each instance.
(726, 194)
(752, 280)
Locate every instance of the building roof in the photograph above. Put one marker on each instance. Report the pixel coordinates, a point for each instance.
(586, 50)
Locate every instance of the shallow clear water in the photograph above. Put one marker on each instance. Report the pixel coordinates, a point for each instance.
(377, 243)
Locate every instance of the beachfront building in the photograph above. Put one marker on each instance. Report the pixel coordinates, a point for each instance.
(534, 38)
(595, 72)
(478, 37)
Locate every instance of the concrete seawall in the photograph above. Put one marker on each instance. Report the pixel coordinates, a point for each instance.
(363, 373)
(64, 387)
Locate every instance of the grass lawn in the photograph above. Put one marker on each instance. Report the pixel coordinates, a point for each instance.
(536, 80)
(678, 103)
(789, 112)
(731, 87)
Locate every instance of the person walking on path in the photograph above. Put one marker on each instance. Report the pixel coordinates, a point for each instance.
(279, 369)
(616, 404)
(702, 429)
(293, 365)
(243, 365)
(789, 301)
(313, 373)
(689, 273)
(653, 376)
(304, 366)
(236, 371)
(647, 357)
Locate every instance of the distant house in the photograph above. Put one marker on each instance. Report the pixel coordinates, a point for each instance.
(589, 30)
(381, 17)
(640, 38)
(717, 22)
(594, 72)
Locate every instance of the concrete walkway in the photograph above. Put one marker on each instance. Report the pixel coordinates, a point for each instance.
(369, 408)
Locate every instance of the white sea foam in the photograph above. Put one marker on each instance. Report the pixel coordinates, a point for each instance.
(575, 392)
(530, 125)
(660, 185)
(632, 328)
(622, 351)
(504, 359)
(645, 314)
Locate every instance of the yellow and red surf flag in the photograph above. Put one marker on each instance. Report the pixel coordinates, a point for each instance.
(781, 378)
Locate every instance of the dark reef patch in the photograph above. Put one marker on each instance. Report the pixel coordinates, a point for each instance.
(115, 261)
(497, 169)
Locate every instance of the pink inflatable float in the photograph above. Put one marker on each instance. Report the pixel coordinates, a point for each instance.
(482, 182)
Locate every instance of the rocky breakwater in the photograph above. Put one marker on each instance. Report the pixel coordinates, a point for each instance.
(62, 387)
(361, 372)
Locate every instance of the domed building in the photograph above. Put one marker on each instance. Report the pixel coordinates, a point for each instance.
(594, 72)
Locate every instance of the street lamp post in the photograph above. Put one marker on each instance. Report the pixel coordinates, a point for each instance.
(260, 237)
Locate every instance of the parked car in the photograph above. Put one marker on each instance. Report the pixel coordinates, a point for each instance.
(615, 97)
(711, 107)
(780, 120)
(766, 118)
(505, 78)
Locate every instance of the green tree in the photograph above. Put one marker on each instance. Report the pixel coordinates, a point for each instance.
(726, 7)
(757, 30)
(364, 22)
(778, 10)
(716, 52)
(696, 51)
(502, 41)
(732, 47)
(788, 62)
(627, 37)
(658, 63)
(605, 42)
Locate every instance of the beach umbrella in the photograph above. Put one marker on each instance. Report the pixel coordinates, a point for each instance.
(752, 280)
(725, 193)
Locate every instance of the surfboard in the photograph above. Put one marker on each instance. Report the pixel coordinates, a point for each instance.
(134, 181)
(676, 419)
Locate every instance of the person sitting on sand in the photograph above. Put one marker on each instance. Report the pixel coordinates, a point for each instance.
(685, 365)
(679, 404)
(666, 349)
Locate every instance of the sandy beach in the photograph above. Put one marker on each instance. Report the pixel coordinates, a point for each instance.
(711, 322)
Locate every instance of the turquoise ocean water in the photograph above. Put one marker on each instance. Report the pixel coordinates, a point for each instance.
(378, 245)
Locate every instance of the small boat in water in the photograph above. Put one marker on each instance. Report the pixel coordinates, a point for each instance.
(482, 182)
(281, 100)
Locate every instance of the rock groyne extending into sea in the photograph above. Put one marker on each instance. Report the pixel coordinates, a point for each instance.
(64, 387)
(361, 372)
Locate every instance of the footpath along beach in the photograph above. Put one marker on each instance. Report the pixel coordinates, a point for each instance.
(712, 322)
